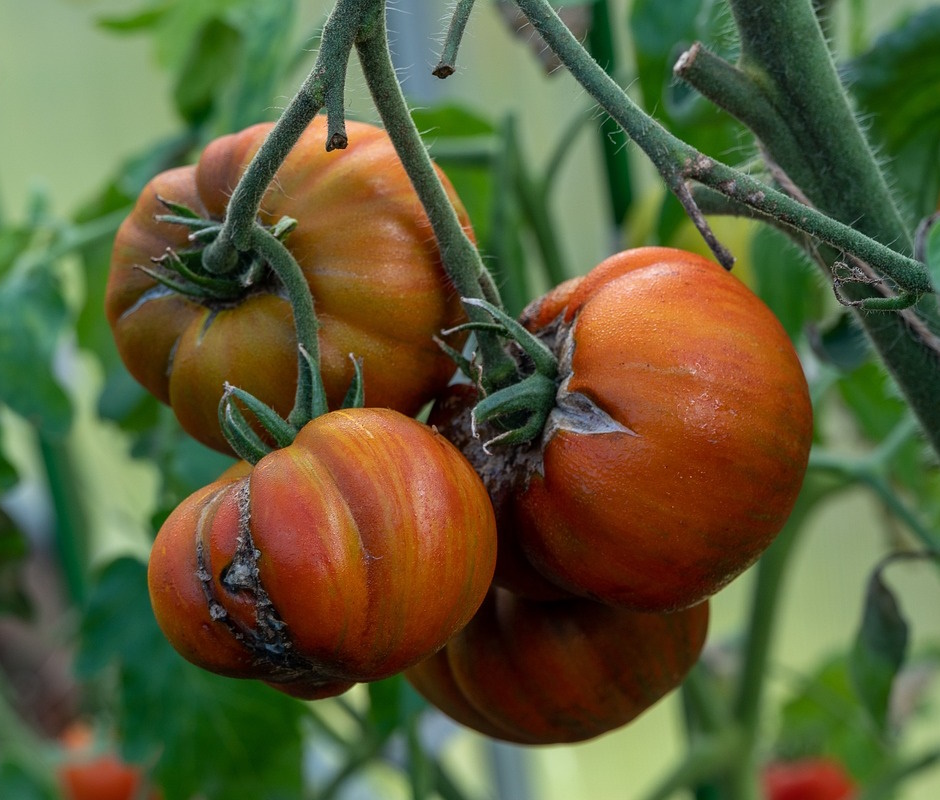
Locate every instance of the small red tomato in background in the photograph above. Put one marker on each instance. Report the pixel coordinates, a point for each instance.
(90, 774)
(807, 779)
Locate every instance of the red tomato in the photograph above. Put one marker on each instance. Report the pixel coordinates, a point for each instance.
(807, 779)
(367, 252)
(346, 557)
(680, 436)
(86, 776)
(563, 671)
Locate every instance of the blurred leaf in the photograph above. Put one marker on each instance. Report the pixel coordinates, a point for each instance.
(932, 251)
(392, 703)
(8, 476)
(211, 60)
(13, 241)
(841, 344)
(824, 718)
(13, 548)
(135, 21)
(33, 317)
(18, 783)
(453, 121)
(784, 280)
(660, 33)
(897, 86)
(872, 399)
(214, 737)
(879, 650)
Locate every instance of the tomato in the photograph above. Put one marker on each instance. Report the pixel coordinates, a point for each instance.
(89, 776)
(364, 245)
(555, 672)
(348, 556)
(807, 779)
(677, 445)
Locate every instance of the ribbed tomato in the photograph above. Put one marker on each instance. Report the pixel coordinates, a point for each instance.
(680, 436)
(562, 671)
(348, 556)
(364, 245)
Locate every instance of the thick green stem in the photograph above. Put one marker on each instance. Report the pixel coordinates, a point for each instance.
(761, 628)
(70, 526)
(310, 399)
(322, 86)
(460, 257)
(679, 163)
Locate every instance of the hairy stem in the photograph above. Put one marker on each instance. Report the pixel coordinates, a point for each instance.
(460, 257)
(323, 86)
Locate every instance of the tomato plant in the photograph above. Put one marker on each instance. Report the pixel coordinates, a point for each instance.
(563, 671)
(366, 251)
(345, 557)
(90, 775)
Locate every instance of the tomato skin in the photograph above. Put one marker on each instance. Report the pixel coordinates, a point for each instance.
(364, 245)
(717, 427)
(558, 672)
(807, 779)
(375, 542)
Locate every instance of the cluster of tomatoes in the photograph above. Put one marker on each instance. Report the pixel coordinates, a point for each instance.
(540, 592)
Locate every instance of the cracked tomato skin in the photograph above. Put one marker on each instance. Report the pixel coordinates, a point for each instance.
(714, 431)
(348, 556)
(807, 779)
(558, 672)
(365, 247)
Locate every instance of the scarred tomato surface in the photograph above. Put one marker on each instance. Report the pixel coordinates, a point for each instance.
(563, 671)
(364, 245)
(348, 556)
(677, 444)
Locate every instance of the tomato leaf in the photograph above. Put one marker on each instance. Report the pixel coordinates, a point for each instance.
(879, 650)
(33, 317)
(783, 279)
(897, 86)
(212, 56)
(391, 703)
(841, 344)
(932, 252)
(212, 737)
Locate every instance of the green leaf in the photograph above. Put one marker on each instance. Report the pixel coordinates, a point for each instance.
(212, 737)
(784, 280)
(451, 121)
(873, 399)
(879, 650)
(897, 87)
(212, 56)
(841, 344)
(660, 33)
(391, 703)
(16, 781)
(33, 317)
(136, 21)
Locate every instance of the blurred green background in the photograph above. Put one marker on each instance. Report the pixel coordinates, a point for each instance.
(76, 100)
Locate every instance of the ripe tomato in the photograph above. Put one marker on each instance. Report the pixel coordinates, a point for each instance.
(89, 776)
(364, 245)
(348, 556)
(680, 436)
(807, 779)
(563, 671)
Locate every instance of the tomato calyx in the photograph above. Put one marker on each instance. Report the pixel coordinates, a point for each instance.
(184, 271)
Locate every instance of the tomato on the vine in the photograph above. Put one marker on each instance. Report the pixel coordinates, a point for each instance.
(363, 243)
(807, 779)
(677, 444)
(348, 556)
(89, 775)
(555, 672)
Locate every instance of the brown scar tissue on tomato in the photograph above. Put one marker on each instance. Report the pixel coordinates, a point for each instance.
(558, 672)
(346, 557)
(678, 443)
(364, 245)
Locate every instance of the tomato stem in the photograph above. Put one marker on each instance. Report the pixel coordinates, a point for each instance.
(458, 23)
(323, 86)
(460, 257)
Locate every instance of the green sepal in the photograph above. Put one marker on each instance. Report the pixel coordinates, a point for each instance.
(182, 287)
(179, 209)
(533, 396)
(356, 393)
(279, 428)
(215, 287)
(238, 433)
(283, 227)
(309, 385)
(463, 363)
(542, 358)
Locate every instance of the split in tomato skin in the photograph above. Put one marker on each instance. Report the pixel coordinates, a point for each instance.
(346, 557)
(364, 246)
(558, 672)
